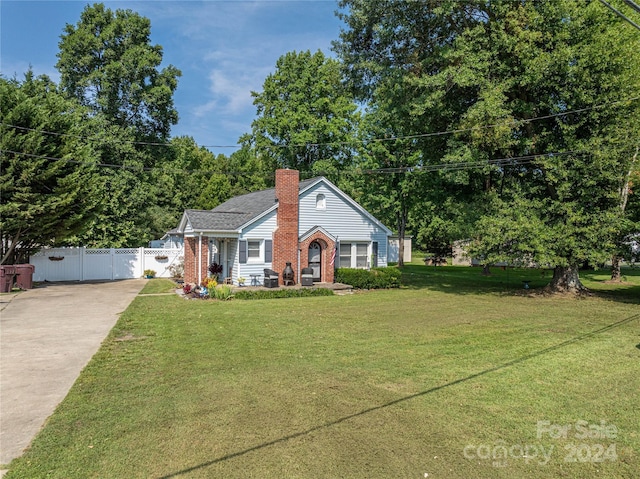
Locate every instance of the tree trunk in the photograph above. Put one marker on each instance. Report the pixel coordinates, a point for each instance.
(401, 247)
(616, 275)
(485, 270)
(566, 279)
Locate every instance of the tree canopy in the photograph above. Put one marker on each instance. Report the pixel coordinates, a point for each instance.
(539, 97)
(48, 188)
(305, 117)
(107, 62)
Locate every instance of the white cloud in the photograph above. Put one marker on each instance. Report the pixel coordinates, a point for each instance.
(228, 94)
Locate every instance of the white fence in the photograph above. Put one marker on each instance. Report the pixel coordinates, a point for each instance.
(82, 264)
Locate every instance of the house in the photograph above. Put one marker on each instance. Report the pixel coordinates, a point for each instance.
(310, 223)
(170, 240)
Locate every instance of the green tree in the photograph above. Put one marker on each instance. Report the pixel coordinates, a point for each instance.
(306, 118)
(247, 172)
(106, 62)
(629, 219)
(48, 174)
(546, 84)
(383, 181)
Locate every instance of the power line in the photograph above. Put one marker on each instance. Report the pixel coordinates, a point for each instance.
(620, 14)
(459, 166)
(633, 5)
(351, 143)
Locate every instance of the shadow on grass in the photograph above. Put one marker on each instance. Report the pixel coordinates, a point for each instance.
(627, 291)
(343, 419)
(469, 280)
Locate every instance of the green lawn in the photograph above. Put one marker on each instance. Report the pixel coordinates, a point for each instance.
(430, 379)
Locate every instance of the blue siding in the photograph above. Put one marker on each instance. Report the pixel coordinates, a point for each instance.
(261, 229)
(341, 219)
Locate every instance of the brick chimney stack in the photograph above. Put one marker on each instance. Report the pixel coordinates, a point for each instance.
(285, 237)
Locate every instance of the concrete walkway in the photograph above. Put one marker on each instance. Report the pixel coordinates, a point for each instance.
(47, 336)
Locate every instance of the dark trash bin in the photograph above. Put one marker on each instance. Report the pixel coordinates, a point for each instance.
(307, 277)
(7, 278)
(24, 278)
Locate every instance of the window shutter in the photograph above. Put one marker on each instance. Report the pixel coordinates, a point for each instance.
(243, 250)
(268, 251)
(374, 253)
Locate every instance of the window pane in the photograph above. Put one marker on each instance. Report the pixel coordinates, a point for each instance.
(361, 255)
(253, 248)
(345, 255)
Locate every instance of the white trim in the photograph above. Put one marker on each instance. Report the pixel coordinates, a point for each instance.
(200, 260)
(353, 253)
(260, 258)
(314, 230)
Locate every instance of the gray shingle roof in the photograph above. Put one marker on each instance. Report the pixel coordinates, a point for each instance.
(232, 214)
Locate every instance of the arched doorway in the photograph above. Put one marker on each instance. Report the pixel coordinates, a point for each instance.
(315, 260)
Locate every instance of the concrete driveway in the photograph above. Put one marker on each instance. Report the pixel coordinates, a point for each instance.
(47, 336)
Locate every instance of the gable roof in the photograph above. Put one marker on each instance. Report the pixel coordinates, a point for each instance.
(312, 182)
(231, 215)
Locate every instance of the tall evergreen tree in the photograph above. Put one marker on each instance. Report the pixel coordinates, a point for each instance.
(48, 179)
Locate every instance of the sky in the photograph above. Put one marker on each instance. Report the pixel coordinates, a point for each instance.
(225, 50)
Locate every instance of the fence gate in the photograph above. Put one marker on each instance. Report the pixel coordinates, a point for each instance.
(83, 264)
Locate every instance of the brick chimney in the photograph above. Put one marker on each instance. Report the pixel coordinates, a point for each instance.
(285, 237)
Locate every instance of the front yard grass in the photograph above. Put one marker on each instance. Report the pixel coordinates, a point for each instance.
(440, 378)
(159, 286)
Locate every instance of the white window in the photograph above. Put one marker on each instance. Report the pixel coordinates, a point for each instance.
(253, 250)
(354, 255)
(345, 255)
(361, 255)
(321, 202)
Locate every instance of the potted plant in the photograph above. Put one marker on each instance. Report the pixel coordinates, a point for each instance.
(149, 273)
(241, 281)
(215, 269)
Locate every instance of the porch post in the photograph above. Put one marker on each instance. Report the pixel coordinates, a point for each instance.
(200, 259)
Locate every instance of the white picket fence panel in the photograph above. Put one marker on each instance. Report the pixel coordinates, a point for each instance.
(84, 264)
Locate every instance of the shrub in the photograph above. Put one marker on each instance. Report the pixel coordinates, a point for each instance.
(374, 278)
(222, 292)
(283, 293)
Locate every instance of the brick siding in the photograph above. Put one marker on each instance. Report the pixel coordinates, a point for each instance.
(285, 237)
(191, 245)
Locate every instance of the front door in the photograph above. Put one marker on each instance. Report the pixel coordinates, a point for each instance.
(315, 262)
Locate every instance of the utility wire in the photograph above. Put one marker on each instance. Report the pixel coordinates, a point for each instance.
(369, 140)
(459, 166)
(633, 5)
(620, 14)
